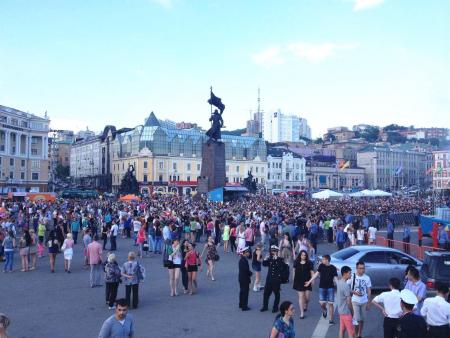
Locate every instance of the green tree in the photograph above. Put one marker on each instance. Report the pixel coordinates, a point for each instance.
(62, 172)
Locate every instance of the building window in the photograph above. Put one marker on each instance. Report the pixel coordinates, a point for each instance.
(188, 167)
(145, 176)
(227, 168)
(145, 164)
(287, 176)
(160, 178)
(35, 176)
(161, 165)
(262, 170)
(174, 165)
(198, 167)
(0, 161)
(237, 168)
(188, 178)
(22, 175)
(11, 174)
(35, 164)
(256, 168)
(22, 163)
(11, 162)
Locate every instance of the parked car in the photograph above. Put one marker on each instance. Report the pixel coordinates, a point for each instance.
(435, 268)
(382, 263)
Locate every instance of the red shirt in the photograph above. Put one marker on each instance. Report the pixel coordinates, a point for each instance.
(191, 258)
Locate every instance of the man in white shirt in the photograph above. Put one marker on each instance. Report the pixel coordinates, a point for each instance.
(372, 234)
(436, 310)
(136, 227)
(113, 236)
(262, 231)
(360, 286)
(391, 308)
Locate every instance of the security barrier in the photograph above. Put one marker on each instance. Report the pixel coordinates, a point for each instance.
(408, 248)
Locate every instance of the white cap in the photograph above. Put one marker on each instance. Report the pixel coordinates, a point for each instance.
(245, 249)
(275, 248)
(408, 297)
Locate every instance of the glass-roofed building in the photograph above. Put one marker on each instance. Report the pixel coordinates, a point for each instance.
(168, 159)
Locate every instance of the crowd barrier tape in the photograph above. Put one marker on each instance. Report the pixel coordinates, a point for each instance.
(411, 249)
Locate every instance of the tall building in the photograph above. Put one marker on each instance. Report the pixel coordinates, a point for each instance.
(441, 170)
(279, 127)
(391, 169)
(167, 159)
(23, 151)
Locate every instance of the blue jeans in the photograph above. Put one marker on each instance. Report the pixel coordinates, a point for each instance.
(9, 256)
(326, 295)
(151, 240)
(158, 244)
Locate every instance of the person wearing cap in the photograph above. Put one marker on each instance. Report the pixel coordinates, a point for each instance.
(410, 324)
(244, 279)
(390, 307)
(436, 310)
(273, 279)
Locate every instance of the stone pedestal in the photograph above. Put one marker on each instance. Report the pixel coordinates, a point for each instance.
(213, 167)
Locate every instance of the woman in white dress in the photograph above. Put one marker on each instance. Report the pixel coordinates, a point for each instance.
(67, 247)
(240, 237)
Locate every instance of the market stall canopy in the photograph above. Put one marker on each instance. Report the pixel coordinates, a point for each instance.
(324, 194)
(130, 197)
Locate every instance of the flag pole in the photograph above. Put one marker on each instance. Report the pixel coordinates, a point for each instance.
(210, 96)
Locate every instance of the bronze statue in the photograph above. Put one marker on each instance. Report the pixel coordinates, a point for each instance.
(217, 123)
(129, 184)
(216, 117)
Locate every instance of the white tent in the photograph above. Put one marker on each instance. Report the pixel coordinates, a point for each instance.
(370, 193)
(324, 194)
(381, 193)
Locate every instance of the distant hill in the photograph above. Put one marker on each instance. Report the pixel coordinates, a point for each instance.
(236, 132)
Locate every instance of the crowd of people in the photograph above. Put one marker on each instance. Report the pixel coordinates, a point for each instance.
(173, 226)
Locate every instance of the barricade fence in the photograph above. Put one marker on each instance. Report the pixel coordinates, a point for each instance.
(414, 250)
(379, 220)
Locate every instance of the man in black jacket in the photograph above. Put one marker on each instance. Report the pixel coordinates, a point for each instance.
(273, 280)
(244, 279)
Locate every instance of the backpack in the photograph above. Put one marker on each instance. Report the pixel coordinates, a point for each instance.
(284, 273)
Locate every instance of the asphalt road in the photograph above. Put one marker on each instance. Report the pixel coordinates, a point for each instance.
(61, 305)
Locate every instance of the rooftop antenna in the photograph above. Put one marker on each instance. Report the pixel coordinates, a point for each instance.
(259, 101)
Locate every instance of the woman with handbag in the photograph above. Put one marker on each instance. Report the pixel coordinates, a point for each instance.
(112, 280)
(131, 280)
(175, 257)
(211, 256)
(192, 262)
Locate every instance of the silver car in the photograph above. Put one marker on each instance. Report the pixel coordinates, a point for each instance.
(382, 263)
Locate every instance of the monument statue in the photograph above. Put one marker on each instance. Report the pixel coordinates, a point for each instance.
(213, 174)
(216, 117)
(250, 183)
(129, 184)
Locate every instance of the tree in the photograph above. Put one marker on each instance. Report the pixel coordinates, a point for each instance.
(371, 134)
(62, 172)
(394, 127)
(318, 140)
(395, 137)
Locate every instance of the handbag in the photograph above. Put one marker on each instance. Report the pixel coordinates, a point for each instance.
(216, 257)
(145, 246)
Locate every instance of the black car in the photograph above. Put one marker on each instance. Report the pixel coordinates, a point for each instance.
(435, 269)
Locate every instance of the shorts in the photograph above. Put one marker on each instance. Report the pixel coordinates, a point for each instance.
(256, 267)
(326, 295)
(346, 324)
(174, 266)
(192, 268)
(359, 311)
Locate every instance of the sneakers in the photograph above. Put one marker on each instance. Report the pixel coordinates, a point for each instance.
(324, 313)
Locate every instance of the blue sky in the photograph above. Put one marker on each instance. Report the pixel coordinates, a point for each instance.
(334, 62)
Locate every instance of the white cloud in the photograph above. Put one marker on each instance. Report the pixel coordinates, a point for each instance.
(361, 5)
(164, 3)
(310, 52)
(269, 57)
(316, 53)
